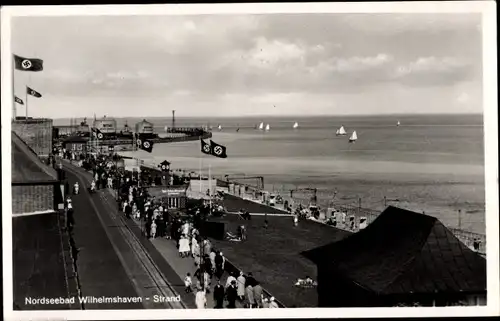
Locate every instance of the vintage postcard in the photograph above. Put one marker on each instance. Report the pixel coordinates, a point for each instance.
(220, 161)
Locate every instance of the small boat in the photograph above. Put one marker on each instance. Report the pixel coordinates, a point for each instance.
(398, 123)
(237, 129)
(353, 137)
(261, 126)
(166, 128)
(296, 125)
(219, 127)
(268, 127)
(341, 131)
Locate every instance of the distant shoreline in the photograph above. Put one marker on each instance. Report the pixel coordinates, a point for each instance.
(283, 116)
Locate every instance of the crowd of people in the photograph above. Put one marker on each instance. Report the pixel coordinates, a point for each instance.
(158, 221)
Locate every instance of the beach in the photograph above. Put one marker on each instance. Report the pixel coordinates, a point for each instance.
(430, 163)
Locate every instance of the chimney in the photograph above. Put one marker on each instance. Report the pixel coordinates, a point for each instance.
(173, 119)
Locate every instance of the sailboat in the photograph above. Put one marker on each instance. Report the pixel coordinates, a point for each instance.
(398, 123)
(166, 128)
(341, 131)
(219, 127)
(268, 127)
(296, 125)
(261, 126)
(353, 137)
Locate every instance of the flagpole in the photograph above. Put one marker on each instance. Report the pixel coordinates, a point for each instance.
(26, 98)
(14, 107)
(210, 186)
(201, 158)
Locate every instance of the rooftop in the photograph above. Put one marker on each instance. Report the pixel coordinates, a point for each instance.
(273, 255)
(27, 166)
(405, 252)
(39, 268)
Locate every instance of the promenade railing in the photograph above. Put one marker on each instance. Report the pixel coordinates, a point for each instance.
(352, 207)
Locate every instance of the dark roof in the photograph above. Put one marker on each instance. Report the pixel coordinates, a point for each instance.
(38, 265)
(26, 166)
(405, 252)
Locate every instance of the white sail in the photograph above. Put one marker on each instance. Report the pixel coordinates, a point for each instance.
(353, 137)
(220, 127)
(166, 128)
(268, 127)
(261, 126)
(337, 132)
(399, 123)
(296, 125)
(341, 131)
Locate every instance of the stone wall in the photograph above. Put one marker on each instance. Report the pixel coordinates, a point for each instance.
(37, 133)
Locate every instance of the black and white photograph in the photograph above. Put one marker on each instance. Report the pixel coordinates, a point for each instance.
(310, 158)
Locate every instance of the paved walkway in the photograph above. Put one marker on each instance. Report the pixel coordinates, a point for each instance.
(99, 267)
(168, 250)
(112, 260)
(164, 253)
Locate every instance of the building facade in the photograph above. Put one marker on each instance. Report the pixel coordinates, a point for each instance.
(36, 132)
(107, 126)
(35, 185)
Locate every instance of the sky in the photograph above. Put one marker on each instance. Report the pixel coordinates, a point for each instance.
(247, 65)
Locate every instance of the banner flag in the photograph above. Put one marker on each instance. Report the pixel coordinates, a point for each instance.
(28, 64)
(32, 92)
(218, 150)
(18, 100)
(205, 148)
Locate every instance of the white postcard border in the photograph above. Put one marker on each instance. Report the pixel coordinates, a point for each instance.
(490, 99)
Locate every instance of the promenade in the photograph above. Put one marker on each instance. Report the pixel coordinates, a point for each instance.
(111, 260)
(165, 265)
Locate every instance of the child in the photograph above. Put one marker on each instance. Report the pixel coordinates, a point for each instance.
(153, 229)
(188, 282)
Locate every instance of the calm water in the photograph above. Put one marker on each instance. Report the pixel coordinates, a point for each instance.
(430, 163)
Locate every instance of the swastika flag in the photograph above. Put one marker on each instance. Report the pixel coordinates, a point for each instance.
(218, 150)
(28, 64)
(18, 100)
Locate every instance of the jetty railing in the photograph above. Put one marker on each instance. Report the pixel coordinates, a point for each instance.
(355, 211)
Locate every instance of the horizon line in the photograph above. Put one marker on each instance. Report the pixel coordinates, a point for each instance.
(283, 115)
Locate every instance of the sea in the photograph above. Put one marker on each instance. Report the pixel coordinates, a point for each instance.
(430, 163)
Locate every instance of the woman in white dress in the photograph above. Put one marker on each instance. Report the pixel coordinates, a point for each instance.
(201, 299)
(184, 246)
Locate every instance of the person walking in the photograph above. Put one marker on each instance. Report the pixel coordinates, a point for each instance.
(250, 298)
(219, 265)
(201, 299)
(212, 260)
(230, 279)
(241, 286)
(188, 282)
(273, 304)
(219, 294)
(258, 295)
(153, 229)
(232, 295)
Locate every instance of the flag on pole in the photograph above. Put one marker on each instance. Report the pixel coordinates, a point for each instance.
(213, 149)
(218, 150)
(205, 147)
(28, 64)
(32, 92)
(97, 133)
(145, 144)
(18, 100)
